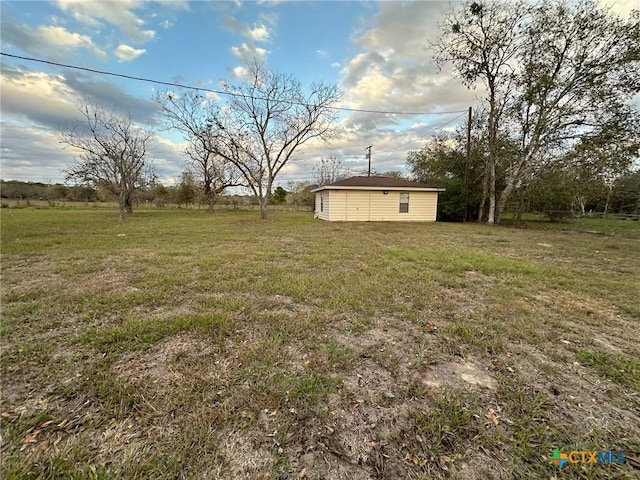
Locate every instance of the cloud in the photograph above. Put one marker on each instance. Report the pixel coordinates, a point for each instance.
(620, 7)
(31, 154)
(50, 101)
(126, 53)
(51, 40)
(395, 71)
(168, 159)
(322, 53)
(39, 98)
(241, 72)
(119, 14)
(36, 107)
(248, 52)
(258, 33)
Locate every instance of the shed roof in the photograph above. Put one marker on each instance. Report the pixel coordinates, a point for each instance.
(376, 182)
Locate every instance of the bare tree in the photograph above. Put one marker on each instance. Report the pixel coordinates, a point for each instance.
(192, 114)
(328, 170)
(112, 154)
(268, 119)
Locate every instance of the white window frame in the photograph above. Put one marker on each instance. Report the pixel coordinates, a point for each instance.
(404, 196)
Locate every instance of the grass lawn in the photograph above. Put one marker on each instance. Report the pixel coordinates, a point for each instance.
(183, 345)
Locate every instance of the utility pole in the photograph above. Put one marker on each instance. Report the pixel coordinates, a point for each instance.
(369, 157)
(466, 170)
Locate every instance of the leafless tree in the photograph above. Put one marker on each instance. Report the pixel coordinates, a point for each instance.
(192, 114)
(113, 154)
(328, 170)
(268, 119)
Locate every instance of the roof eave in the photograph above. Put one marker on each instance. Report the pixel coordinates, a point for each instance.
(404, 189)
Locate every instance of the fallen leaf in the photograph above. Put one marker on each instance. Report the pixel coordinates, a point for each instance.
(430, 326)
(303, 472)
(491, 415)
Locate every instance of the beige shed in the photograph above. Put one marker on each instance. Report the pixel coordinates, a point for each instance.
(376, 199)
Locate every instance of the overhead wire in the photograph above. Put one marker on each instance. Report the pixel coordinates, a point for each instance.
(209, 90)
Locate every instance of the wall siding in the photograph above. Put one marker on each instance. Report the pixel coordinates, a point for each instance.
(324, 214)
(375, 206)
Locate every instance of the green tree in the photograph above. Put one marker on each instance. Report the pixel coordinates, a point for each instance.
(279, 196)
(482, 40)
(441, 163)
(554, 73)
(579, 68)
(625, 196)
(187, 189)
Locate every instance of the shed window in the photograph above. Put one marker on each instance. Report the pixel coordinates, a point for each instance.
(322, 203)
(404, 203)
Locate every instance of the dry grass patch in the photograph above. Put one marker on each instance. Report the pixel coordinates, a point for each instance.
(185, 345)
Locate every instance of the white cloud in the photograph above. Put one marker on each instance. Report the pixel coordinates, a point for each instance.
(37, 106)
(322, 53)
(336, 65)
(37, 97)
(120, 14)
(51, 40)
(127, 53)
(259, 33)
(247, 53)
(240, 72)
(621, 7)
(395, 71)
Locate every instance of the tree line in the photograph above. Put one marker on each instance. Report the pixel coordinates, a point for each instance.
(557, 128)
(186, 192)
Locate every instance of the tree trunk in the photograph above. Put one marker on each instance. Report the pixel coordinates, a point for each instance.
(128, 206)
(506, 193)
(263, 207)
(485, 193)
(606, 205)
(492, 137)
(492, 191)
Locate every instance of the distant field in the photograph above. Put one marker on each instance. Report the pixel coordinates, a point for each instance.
(183, 345)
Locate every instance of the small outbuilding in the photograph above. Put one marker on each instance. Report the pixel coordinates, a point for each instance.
(376, 199)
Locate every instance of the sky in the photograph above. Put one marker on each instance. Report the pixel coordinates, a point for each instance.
(376, 52)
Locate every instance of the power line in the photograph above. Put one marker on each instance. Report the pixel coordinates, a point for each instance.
(217, 92)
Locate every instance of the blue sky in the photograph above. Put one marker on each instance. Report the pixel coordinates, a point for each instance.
(376, 52)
